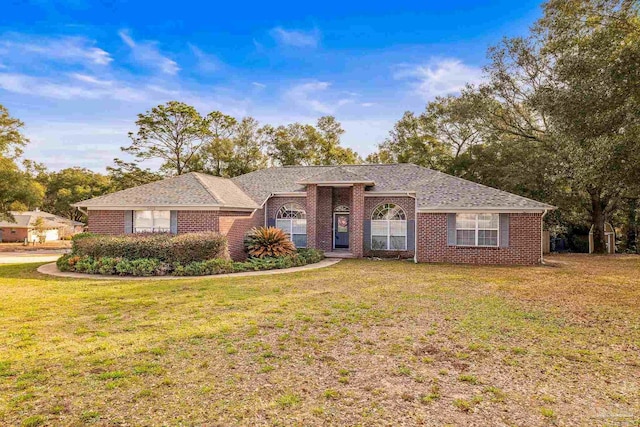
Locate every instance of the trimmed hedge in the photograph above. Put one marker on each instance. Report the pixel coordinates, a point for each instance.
(166, 248)
(155, 267)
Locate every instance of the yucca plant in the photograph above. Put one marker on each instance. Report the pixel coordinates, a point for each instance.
(268, 242)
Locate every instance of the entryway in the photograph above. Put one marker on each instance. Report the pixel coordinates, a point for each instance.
(340, 230)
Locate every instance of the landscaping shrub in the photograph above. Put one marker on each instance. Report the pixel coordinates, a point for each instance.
(183, 248)
(264, 242)
(156, 267)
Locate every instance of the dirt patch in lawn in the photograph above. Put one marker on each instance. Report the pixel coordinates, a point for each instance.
(360, 343)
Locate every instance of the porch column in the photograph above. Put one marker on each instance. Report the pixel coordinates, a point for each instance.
(356, 240)
(312, 215)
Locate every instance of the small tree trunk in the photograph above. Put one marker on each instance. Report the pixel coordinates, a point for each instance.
(597, 217)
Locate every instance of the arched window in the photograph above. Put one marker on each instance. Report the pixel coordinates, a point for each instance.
(388, 228)
(292, 219)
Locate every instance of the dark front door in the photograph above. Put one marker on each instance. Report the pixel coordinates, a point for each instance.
(341, 230)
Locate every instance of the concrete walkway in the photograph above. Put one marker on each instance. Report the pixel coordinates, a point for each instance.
(28, 256)
(52, 270)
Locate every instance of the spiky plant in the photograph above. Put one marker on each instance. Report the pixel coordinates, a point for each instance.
(268, 242)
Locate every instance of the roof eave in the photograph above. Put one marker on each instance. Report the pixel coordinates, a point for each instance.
(485, 209)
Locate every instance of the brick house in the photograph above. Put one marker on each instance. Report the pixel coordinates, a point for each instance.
(396, 210)
(25, 227)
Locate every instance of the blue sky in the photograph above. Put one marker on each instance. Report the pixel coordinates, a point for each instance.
(77, 72)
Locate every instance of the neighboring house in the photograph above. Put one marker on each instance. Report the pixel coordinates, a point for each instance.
(398, 210)
(54, 227)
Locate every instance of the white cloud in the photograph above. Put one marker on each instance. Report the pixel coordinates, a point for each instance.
(259, 85)
(148, 54)
(440, 77)
(66, 49)
(70, 90)
(296, 38)
(207, 62)
(316, 97)
(91, 79)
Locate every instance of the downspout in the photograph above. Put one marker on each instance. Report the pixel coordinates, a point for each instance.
(542, 236)
(415, 233)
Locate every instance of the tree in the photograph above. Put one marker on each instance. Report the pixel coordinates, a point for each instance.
(72, 185)
(247, 148)
(173, 132)
(40, 229)
(17, 186)
(11, 138)
(218, 151)
(125, 175)
(329, 151)
(304, 144)
(413, 140)
(290, 145)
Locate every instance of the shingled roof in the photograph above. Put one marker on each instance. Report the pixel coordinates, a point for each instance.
(27, 219)
(188, 190)
(434, 191)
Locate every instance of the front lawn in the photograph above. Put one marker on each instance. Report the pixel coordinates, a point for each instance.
(360, 343)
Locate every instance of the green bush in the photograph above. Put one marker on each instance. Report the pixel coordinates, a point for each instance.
(156, 267)
(183, 248)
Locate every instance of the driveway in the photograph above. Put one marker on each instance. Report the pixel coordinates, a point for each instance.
(30, 256)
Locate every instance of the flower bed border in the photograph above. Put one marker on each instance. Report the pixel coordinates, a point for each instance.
(51, 269)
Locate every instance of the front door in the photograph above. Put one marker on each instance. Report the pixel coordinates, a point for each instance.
(341, 230)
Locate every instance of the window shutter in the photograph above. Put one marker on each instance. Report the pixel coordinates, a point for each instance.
(271, 222)
(451, 229)
(367, 235)
(173, 224)
(128, 222)
(504, 230)
(411, 235)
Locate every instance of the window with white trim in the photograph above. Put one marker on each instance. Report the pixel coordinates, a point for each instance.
(388, 228)
(292, 219)
(477, 229)
(151, 221)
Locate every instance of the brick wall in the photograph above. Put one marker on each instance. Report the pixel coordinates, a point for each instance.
(276, 202)
(235, 225)
(106, 222)
(356, 238)
(524, 242)
(324, 225)
(196, 221)
(312, 211)
(18, 235)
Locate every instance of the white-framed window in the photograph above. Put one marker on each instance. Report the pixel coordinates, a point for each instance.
(388, 228)
(151, 221)
(477, 229)
(292, 219)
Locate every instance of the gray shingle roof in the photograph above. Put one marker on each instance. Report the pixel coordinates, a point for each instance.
(28, 219)
(192, 189)
(336, 174)
(434, 190)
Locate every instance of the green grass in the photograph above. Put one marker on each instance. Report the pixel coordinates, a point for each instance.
(360, 343)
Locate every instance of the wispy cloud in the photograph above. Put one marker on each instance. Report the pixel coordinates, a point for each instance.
(148, 54)
(91, 79)
(439, 77)
(259, 85)
(68, 89)
(66, 49)
(296, 38)
(314, 96)
(207, 62)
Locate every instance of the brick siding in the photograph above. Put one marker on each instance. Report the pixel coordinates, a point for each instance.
(196, 221)
(106, 222)
(18, 235)
(356, 237)
(524, 242)
(235, 225)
